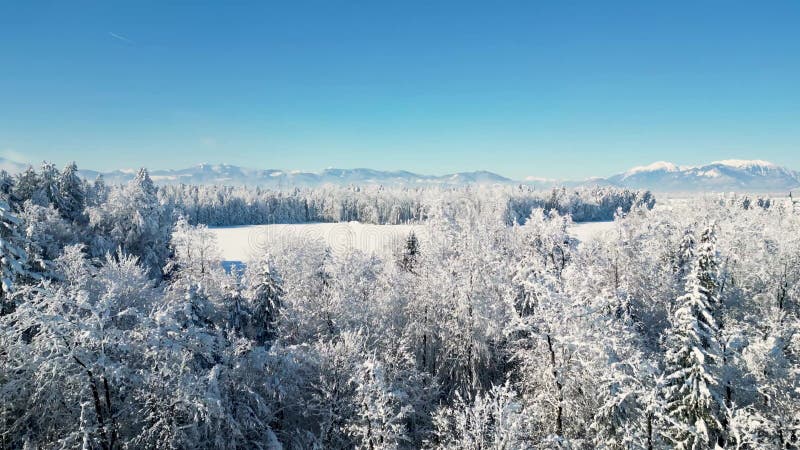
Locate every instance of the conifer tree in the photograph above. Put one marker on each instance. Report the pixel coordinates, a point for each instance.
(27, 186)
(708, 267)
(99, 192)
(49, 177)
(693, 406)
(72, 195)
(410, 253)
(12, 256)
(686, 255)
(265, 298)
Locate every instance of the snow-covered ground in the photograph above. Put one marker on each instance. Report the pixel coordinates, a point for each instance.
(586, 231)
(246, 242)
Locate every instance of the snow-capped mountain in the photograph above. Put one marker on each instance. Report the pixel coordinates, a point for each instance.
(718, 176)
(726, 175)
(234, 175)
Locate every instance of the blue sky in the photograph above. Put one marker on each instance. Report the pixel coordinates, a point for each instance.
(557, 89)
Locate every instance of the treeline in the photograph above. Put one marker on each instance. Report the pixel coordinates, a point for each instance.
(590, 204)
(226, 206)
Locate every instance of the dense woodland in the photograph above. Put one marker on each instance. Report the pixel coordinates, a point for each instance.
(120, 329)
(226, 206)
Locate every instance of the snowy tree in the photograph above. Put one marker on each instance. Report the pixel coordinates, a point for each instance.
(28, 186)
(98, 194)
(47, 234)
(494, 419)
(6, 185)
(79, 340)
(49, 183)
(264, 296)
(71, 199)
(458, 313)
(708, 268)
(690, 386)
(194, 250)
(12, 256)
(409, 256)
(133, 220)
(685, 255)
(379, 420)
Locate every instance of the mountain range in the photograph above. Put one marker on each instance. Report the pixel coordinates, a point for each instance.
(718, 176)
(727, 175)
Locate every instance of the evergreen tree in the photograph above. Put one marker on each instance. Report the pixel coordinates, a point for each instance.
(49, 177)
(693, 406)
(410, 253)
(6, 185)
(27, 187)
(99, 192)
(708, 267)
(12, 256)
(150, 230)
(686, 255)
(265, 298)
(232, 301)
(72, 194)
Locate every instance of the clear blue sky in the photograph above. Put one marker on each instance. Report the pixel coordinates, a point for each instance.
(558, 89)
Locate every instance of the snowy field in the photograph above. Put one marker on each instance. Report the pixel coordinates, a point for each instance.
(586, 231)
(246, 242)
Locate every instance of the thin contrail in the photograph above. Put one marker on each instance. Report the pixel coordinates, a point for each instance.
(120, 37)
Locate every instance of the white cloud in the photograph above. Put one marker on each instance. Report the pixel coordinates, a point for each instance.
(16, 156)
(120, 37)
(13, 161)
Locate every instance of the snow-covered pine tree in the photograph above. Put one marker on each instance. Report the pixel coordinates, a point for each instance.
(27, 187)
(71, 200)
(410, 255)
(708, 268)
(150, 230)
(693, 405)
(686, 255)
(49, 177)
(710, 282)
(265, 299)
(233, 302)
(12, 255)
(98, 194)
(6, 185)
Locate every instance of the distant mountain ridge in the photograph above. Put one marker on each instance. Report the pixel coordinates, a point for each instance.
(718, 176)
(235, 175)
(726, 175)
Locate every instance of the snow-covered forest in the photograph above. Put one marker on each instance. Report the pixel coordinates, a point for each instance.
(119, 327)
(225, 205)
